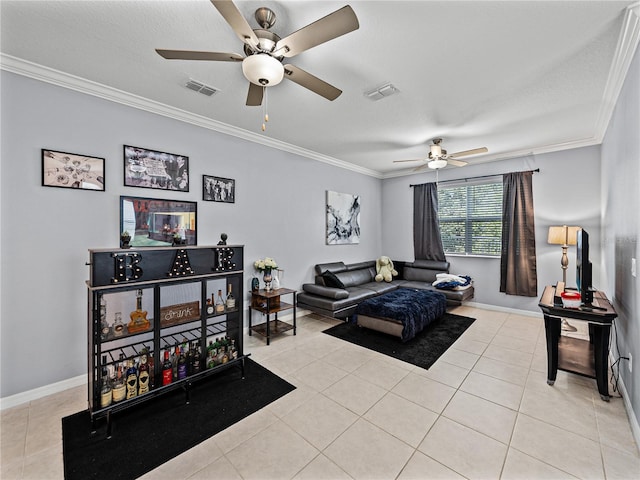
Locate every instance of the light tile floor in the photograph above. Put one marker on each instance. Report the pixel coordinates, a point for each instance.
(482, 411)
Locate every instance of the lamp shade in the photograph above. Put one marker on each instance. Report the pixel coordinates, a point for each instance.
(263, 70)
(562, 235)
(436, 164)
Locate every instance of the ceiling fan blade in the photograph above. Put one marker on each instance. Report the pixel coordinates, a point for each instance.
(254, 96)
(327, 28)
(412, 160)
(469, 152)
(193, 55)
(314, 84)
(236, 20)
(456, 163)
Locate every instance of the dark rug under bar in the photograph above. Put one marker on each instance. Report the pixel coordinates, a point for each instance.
(153, 432)
(422, 350)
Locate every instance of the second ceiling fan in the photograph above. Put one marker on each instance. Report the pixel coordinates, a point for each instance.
(265, 51)
(439, 158)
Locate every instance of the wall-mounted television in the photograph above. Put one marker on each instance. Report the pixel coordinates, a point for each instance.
(583, 268)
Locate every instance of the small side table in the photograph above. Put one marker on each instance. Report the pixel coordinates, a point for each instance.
(584, 357)
(270, 303)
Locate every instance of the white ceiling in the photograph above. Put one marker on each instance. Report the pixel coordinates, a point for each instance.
(516, 77)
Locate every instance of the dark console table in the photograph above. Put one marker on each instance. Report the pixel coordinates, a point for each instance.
(584, 357)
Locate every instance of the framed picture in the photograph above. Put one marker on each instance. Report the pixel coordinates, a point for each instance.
(71, 170)
(155, 222)
(150, 169)
(343, 218)
(218, 189)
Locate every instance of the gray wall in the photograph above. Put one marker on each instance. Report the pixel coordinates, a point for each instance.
(566, 191)
(621, 226)
(46, 232)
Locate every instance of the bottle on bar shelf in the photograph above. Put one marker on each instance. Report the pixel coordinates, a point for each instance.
(167, 369)
(219, 303)
(118, 388)
(105, 392)
(143, 376)
(231, 300)
(131, 379)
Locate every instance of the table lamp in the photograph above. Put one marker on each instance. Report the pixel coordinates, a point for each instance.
(565, 236)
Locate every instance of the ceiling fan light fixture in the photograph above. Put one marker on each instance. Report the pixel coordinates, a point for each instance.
(437, 164)
(262, 69)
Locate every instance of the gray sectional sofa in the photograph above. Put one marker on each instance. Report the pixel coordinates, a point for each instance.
(339, 288)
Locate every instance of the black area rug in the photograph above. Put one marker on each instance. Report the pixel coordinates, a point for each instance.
(153, 432)
(422, 350)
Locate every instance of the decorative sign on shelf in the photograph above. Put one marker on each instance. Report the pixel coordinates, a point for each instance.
(110, 267)
(126, 267)
(223, 260)
(180, 313)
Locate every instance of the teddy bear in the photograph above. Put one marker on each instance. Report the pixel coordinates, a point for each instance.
(384, 267)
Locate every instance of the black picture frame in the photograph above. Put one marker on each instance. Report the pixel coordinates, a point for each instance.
(144, 168)
(218, 189)
(72, 170)
(154, 222)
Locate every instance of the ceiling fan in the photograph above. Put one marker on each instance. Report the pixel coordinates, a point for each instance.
(265, 51)
(439, 158)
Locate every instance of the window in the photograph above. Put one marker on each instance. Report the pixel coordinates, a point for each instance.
(470, 218)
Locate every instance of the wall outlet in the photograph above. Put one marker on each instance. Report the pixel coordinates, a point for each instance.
(633, 267)
(630, 362)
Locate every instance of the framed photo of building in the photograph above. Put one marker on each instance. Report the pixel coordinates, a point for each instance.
(153, 222)
(343, 218)
(152, 169)
(218, 189)
(72, 170)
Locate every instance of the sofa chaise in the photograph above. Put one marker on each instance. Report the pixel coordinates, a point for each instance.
(340, 287)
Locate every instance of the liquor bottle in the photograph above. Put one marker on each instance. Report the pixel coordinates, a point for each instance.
(104, 326)
(190, 358)
(234, 350)
(210, 309)
(231, 300)
(167, 369)
(119, 389)
(139, 322)
(174, 361)
(143, 376)
(118, 325)
(219, 303)
(105, 392)
(211, 352)
(132, 379)
(152, 371)
(182, 365)
(196, 359)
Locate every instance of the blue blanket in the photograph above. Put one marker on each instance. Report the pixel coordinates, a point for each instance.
(414, 308)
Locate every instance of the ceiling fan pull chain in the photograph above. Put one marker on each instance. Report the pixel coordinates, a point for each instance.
(264, 105)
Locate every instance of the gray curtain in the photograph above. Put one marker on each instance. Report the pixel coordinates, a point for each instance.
(518, 275)
(427, 243)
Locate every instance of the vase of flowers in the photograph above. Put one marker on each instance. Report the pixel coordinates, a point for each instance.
(265, 266)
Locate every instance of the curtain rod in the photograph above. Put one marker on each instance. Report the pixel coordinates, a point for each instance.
(473, 178)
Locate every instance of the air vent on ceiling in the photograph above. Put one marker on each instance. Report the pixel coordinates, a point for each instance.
(381, 92)
(201, 88)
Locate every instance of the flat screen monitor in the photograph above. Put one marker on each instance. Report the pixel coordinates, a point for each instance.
(583, 267)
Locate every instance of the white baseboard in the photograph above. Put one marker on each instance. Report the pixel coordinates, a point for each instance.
(36, 393)
(633, 422)
(495, 308)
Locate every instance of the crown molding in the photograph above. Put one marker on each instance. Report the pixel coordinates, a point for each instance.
(49, 75)
(627, 44)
